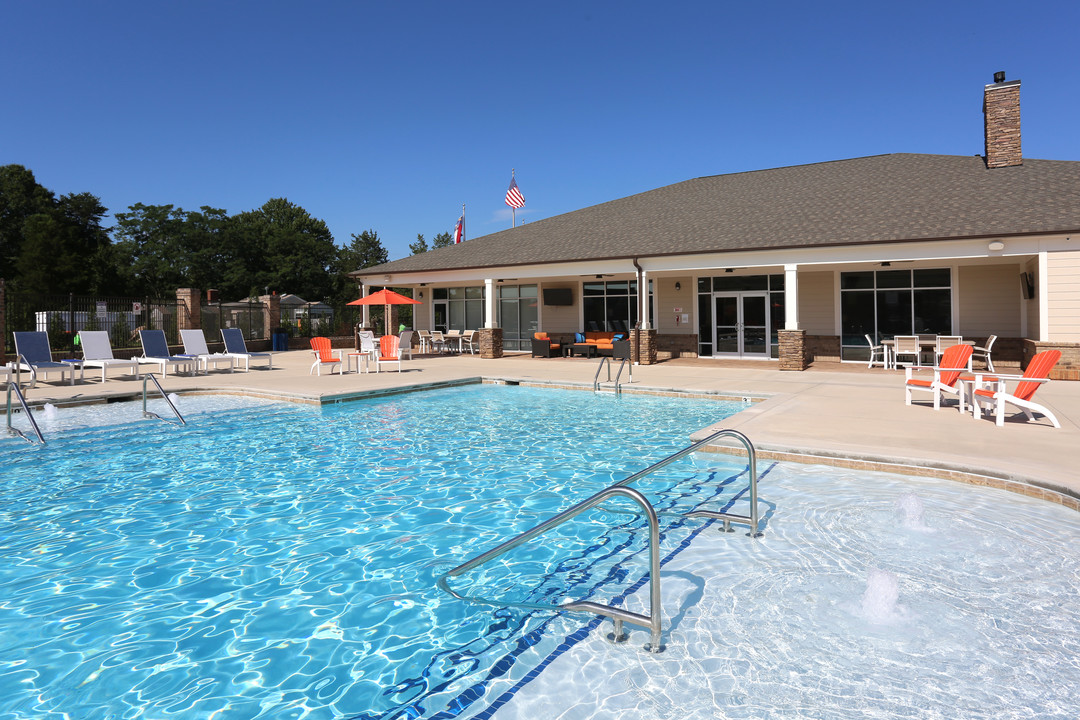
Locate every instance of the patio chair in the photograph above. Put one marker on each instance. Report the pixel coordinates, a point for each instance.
(389, 352)
(452, 338)
(324, 356)
(943, 343)
(195, 347)
(542, 346)
(438, 341)
(97, 352)
(468, 341)
(156, 352)
(35, 355)
(425, 340)
(983, 353)
(235, 346)
(907, 345)
(405, 343)
(876, 351)
(953, 362)
(1037, 373)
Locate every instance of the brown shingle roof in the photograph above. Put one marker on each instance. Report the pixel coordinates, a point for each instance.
(864, 200)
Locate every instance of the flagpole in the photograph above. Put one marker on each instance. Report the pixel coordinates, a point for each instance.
(462, 222)
(513, 210)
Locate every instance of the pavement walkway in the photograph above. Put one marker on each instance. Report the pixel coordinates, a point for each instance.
(842, 415)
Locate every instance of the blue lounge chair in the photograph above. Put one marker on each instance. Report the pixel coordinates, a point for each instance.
(35, 355)
(235, 346)
(156, 352)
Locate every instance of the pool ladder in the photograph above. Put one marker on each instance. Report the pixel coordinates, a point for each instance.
(13, 387)
(652, 621)
(608, 385)
(148, 414)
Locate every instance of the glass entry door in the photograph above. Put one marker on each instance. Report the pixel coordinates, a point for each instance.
(742, 324)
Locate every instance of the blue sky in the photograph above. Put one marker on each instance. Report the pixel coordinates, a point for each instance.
(390, 115)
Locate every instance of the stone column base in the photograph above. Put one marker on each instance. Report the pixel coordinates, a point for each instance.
(643, 347)
(793, 354)
(1067, 368)
(491, 343)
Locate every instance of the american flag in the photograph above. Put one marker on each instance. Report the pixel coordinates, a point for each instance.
(459, 230)
(514, 198)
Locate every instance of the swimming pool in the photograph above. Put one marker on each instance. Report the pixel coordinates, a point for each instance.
(275, 560)
(282, 576)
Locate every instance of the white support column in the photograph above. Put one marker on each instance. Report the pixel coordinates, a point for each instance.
(366, 314)
(643, 300)
(1042, 293)
(490, 289)
(791, 297)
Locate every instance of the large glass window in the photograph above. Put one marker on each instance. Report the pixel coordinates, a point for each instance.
(517, 316)
(611, 306)
(459, 308)
(886, 303)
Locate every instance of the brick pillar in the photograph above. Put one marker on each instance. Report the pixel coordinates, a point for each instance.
(643, 347)
(491, 343)
(271, 312)
(191, 300)
(793, 354)
(1001, 122)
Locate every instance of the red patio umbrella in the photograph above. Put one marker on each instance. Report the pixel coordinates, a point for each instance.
(386, 297)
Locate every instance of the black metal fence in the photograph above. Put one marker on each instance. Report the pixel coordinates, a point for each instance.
(63, 316)
(248, 316)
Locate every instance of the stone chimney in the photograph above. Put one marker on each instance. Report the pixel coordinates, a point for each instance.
(1001, 120)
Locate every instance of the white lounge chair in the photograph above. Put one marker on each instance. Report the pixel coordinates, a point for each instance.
(195, 346)
(98, 353)
(156, 352)
(997, 396)
(35, 355)
(235, 346)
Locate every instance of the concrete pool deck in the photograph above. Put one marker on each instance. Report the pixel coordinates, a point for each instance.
(834, 414)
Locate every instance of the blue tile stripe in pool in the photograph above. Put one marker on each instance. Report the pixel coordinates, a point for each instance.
(475, 693)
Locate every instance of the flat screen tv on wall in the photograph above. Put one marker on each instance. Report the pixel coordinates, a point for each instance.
(558, 296)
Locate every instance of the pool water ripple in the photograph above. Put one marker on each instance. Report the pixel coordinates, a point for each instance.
(269, 560)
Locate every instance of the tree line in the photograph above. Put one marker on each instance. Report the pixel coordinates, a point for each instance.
(53, 244)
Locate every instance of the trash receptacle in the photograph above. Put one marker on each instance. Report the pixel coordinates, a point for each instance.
(279, 339)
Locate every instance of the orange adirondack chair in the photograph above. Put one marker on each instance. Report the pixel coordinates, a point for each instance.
(953, 361)
(323, 356)
(1037, 373)
(389, 352)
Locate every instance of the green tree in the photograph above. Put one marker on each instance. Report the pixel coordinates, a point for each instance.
(442, 240)
(365, 250)
(298, 249)
(420, 246)
(20, 198)
(151, 250)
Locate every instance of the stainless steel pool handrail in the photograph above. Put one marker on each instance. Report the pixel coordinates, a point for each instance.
(617, 615)
(727, 518)
(14, 386)
(606, 361)
(147, 413)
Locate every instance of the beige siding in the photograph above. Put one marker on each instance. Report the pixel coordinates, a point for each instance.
(1062, 286)
(1031, 307)
(990, 300)
(668, 298)
(817, 306)
(560, 318)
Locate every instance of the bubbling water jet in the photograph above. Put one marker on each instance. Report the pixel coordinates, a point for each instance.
(879, 600)
(910, 508)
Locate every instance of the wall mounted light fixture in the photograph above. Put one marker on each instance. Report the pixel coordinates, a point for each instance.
(996, 245)
(421, 294)
(678, 286)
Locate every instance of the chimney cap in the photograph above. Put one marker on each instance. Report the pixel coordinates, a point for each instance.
(999, 76)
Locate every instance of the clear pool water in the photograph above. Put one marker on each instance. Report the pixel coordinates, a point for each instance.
(275, 561)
